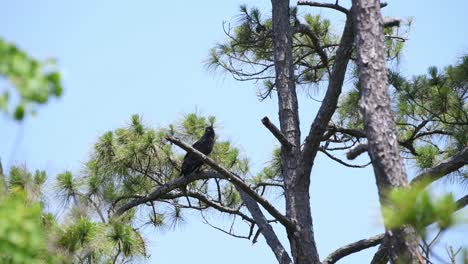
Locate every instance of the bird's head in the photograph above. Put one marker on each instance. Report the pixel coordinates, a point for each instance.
(209, 131)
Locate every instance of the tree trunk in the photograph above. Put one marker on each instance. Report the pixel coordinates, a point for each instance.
(374, 106)
(301, 239)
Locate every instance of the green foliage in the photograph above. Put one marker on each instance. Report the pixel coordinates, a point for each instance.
(30, 235)
(247, 53)
(126, 238)
(67, 187)
(34, 81)
(23, 224)
(272, 172)
(131, 162)
(416, 207)
(194, 125)
(231, 196)
(427, 156)
(20, 179)
(21, 236)
(348, 110)
(431, 113)
(79, 234)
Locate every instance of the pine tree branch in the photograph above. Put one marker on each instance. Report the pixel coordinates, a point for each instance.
(276, 133)
(324, 5)
(391, 22)
(166, 188)
(462, 202)
(353, 248)
(258, 219)
(330, 102)
(229, 233)
(321, 149)
(204, 199)
(237, 181)
(305, 29)
(348, 131)
(450, 165)
(381, 255)
(373, 241)
(356, 151)
(265, 228)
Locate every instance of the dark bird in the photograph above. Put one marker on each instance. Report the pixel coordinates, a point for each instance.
(205, 145)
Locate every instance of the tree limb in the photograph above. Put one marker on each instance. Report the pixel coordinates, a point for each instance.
(324, 5)
(209, 202)
(348, 131)
(462, 202)
(161, 190)
(452, 164)
(277, 133)
(228, 232)
(324, 151)
(356, 151)
(236, 181)
(305, 29)
(372, 241)
(353, 248)
(218, 206)
(328, 107)
(265, 228)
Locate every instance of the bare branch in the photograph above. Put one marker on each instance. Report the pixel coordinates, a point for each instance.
(236, 180)
(381, 256)
(265, 228)
(353, 248)
(164, 189)
(328, 107)
(325, 5)
(348, 131)
(391, 22)
(342, 162)
(462, 202)
(356, 151)
(218, 206)
(305, 29)
(96, 207)
(277, 133)
(450, 165)
(226, 232)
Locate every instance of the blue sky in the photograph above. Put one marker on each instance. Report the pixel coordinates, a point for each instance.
(147, 57)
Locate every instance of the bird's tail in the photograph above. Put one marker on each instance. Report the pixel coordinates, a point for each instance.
(184, 191)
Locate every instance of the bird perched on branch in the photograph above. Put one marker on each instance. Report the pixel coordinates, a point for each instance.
(205, 145)
(192, 163)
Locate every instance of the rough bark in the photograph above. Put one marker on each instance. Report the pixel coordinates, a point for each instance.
(374, 106)
(302, 242)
